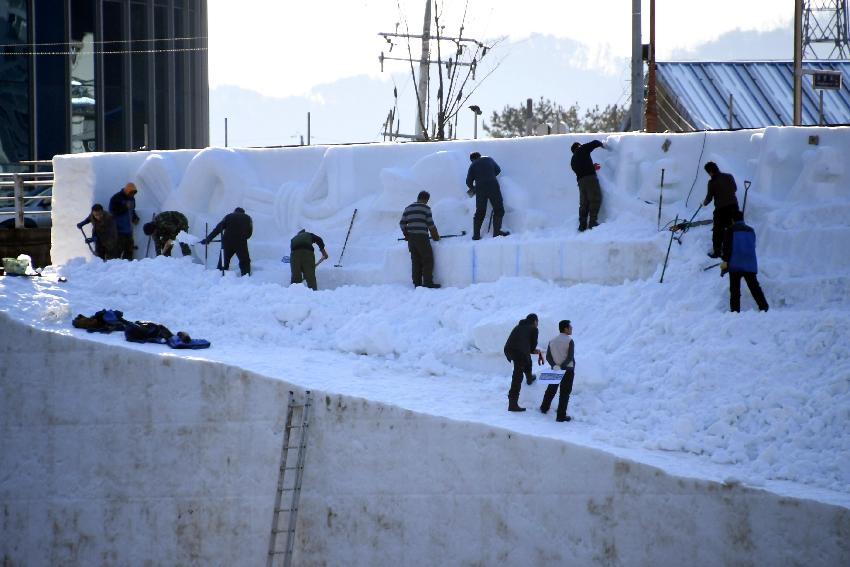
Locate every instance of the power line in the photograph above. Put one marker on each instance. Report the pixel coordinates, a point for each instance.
(103, 42)
(117, 52)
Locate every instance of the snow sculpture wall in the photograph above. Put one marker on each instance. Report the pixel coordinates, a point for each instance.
(117, 456)
(318, 188)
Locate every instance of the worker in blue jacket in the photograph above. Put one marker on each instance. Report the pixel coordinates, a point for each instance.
(739, 259)
(122, 207)
(481, 181)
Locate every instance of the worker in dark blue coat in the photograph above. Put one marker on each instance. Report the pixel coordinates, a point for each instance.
(739, 259)
(482, 182)
(122, 207)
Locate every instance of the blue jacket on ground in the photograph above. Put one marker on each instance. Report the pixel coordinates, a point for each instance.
(739, 248)
(482, 172)
(123, 210)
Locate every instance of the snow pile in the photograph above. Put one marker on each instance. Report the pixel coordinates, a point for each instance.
(663, 371)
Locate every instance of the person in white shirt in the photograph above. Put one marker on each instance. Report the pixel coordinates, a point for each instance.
(561, 354)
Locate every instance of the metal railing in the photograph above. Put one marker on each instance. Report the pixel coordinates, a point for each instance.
(21, 196)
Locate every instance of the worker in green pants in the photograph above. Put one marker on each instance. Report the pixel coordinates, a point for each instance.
(302, 258)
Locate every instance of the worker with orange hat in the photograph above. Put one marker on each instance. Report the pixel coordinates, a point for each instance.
(122, 207)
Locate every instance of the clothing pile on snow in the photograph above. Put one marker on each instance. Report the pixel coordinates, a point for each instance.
(104, 321)
(109, 320)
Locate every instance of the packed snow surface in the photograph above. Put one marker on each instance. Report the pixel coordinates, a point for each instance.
(665, 373)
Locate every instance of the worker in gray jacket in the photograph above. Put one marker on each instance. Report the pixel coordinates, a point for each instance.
(561, 354)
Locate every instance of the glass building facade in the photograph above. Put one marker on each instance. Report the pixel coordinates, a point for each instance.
(102, 75)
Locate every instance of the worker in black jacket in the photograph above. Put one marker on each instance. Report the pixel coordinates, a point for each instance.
(521, 344)
(589, 191)
(481, 181)
(721, 189)
(235, 229)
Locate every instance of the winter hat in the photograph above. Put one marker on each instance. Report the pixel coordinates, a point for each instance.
(149, 228)
(574, 147)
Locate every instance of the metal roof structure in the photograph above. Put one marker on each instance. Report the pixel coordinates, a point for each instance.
(696, 96)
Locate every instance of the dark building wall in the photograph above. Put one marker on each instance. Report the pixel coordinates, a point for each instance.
(120, 75)
(51, 80)
(14, 85)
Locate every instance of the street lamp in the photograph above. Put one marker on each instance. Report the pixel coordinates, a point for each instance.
(477, 111)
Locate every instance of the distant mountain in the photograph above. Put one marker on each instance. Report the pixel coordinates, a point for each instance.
(738, 45)
(353, 109)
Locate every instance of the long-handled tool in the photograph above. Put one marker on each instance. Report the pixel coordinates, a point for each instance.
(660, 198)
(339, 264)
(685, 226)
(442, 236)
(86, 239)
(667, 257)
(747, 184)
(148, 247)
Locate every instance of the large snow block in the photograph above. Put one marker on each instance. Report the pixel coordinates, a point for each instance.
(113, 455)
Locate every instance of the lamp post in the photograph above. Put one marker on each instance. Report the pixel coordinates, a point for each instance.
(477, 111)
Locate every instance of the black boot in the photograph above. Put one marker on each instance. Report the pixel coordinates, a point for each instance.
(497, 227)
(513, 405)
(476, 228)
(561, 415)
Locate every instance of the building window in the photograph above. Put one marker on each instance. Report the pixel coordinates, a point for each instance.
(83, 114)
(163, 103)
(14, 82)
(139, 32)
(113, 76)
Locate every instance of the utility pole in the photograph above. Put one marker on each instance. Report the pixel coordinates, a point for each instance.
(798, 61)
(651, 111)
(424, 71)
(637, 69)
(450, 108)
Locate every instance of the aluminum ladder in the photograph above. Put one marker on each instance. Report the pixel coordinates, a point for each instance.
(297, 419)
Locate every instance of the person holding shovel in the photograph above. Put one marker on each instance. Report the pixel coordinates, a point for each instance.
(104, 233)
(302, 258)
(418, 228)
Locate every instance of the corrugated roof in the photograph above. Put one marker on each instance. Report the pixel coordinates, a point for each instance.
(762, 93)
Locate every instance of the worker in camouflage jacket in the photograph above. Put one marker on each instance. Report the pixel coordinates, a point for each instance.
(164, 230)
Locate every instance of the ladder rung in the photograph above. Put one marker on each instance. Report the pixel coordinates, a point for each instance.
(284, 509)
(282, 531)
(291, 468)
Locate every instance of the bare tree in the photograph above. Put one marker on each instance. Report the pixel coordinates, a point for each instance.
(455, 77)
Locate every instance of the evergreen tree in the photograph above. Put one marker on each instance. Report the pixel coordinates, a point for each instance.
(511, 122)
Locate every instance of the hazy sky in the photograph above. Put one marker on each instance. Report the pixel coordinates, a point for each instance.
(285, 47)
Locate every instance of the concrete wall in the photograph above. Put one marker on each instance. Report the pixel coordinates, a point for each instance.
(114, 456)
